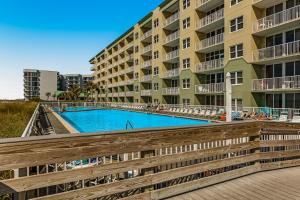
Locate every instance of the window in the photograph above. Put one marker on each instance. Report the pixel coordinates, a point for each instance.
(136, 88)
(156, 39)
(136, 49)
(136, 61)
(155, 86)
(136, 100)
(186, 102)
(237, 104)
(136, 75)
(186, 83)
(236, 78)
(236, 24)
(234, 2)
(156, 23)
(236, 51)
(186, 23)
(186, 43)
(186, 4)
(186, 63)
(136, 36)
(155, 71)
(155, 55)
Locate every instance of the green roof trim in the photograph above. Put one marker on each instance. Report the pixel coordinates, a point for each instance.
(145, 18)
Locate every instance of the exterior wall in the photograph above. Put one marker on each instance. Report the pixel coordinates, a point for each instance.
(48, 83)
(112, 85)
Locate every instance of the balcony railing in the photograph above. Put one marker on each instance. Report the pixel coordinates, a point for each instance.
(276, 83)
(146, 78)
(129, 45)
(209, 19)
(129, 58)
(115, 94)
(172, 55)
(146, 92)
(277, 19)
(210, 65)
(121, 94)
(211, 41)
(171, 91)
(129, 82)
(129, 93)
(147, 64)
(278, 51)
(146, 35)
(172, 37)
(201, 2)
(171, 19)
(209, 88)
(147, 49)
(171, 73)
(130, 69)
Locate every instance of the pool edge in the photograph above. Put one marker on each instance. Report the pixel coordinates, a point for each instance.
(66, 124)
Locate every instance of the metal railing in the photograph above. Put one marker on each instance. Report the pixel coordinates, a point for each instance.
(210, 65)
(201, 2)
(146, 78)
(146, 35)
(211, 41)
(146, 92)
(171, 55)
(278, 51)
(173, 18)
(170, 91)
(130, 69)
(276, 83)
(171, 73)
(147, 49)
(129, 93)
(209, 88)
(277, 19)
(209, 19)
(146, 64)
(172, 37)
(129, 58)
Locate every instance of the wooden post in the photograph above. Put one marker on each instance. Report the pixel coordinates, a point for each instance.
(146, 171)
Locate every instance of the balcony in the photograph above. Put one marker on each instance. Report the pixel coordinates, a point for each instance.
(282, 52)
(115, 94)
(211, 44)
(129, 82)
(122, 72)
(129, 46)
(129, 58)
(171, 73)
(211, 88)
(147, 50)
(121, 94)
(172, 39)
(206, 5)
(147, 78)
(146, 93)
(92, 68)
(171, 91)
(130, 93)
(210, 22)
(130, 70)
(276, 84)
(277, 22)
(147, 64)
(146, 37)
(172, 57)
(170, 24)
(266, 3)
(109, 95)
(209, 66)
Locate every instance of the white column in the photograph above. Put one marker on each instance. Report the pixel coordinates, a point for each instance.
(228, 95)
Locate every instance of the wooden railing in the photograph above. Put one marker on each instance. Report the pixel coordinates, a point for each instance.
(144, 164)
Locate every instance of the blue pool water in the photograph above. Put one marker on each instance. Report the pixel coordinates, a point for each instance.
(112, 120)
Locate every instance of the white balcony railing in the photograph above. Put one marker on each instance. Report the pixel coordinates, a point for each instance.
(146, 78)
(172, 37)
(129, 82)
(147, 49)
(277, 19)
(201, 2)
(172, 55)
(277, 83)
(171, 91)
(146, 35)
(278, 51)
(171, 73)
(209, 19)
(129, 58)
(210, 65)
(147, 64)
(146, 92)
(171, 19)
(129, 45)
(209, 88)
(129, 93)
(211, 41)
(121, 94)
(130, 70)
(115, 94)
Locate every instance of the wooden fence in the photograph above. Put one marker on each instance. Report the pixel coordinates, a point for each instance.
(143, 164)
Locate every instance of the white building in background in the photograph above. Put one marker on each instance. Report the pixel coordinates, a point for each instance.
(37, 83)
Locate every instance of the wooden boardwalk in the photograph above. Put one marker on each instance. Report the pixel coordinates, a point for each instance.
(283, 184)
(57, 125)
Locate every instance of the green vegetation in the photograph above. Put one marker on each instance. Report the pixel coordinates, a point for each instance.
(14, 117)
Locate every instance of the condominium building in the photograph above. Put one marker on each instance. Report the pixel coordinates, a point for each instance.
(74, 80)
(39, 83)
(180, 52)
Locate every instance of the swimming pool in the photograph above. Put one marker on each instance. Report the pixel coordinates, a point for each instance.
(113, 120)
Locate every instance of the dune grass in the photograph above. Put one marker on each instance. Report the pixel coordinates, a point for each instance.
(14, 117)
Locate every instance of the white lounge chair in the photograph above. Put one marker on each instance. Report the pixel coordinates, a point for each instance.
(202, 113)
(196, 112)
(296, 118)
(191, 111)
(207, 113)
(283, 117)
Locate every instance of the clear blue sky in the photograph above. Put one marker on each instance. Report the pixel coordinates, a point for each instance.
(59, 35)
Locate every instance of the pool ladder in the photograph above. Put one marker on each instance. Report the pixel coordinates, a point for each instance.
(128, 123)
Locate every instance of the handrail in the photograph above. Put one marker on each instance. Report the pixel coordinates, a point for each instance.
(30, 125)
(128, 123)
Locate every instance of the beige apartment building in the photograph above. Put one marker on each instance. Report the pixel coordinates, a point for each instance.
(181, 51)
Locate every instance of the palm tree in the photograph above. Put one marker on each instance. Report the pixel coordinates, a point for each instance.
(48, 94)
(54, 96)
(64, 95)
(74, 92)
(90, 89)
